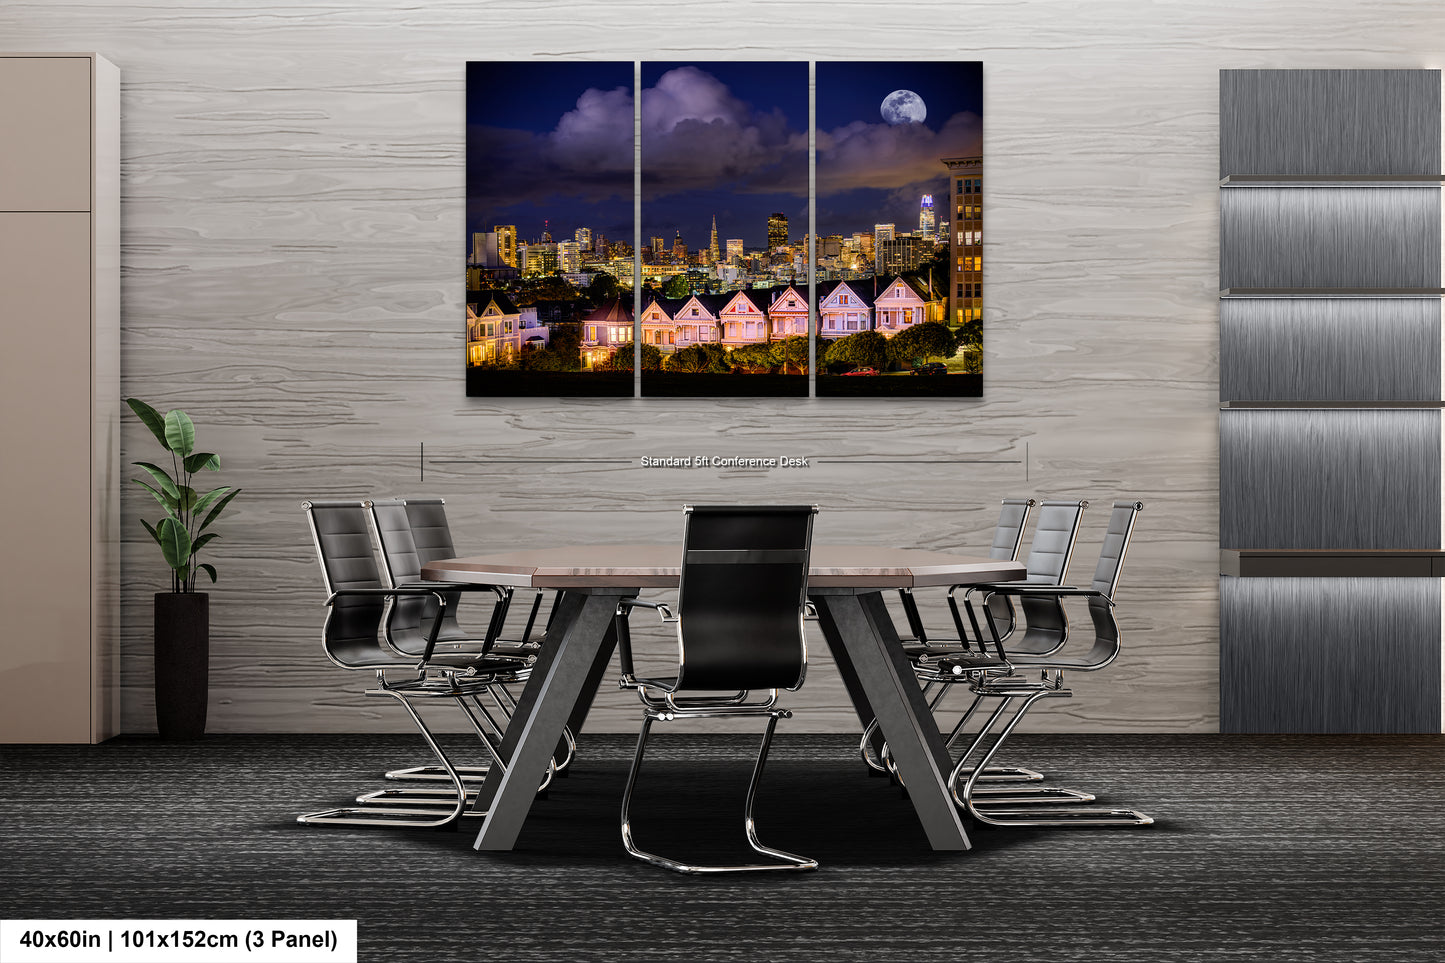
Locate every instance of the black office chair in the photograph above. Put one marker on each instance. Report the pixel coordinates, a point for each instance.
(352, 639)
(741, 603)
(1008, 535)
(412, 532)
(993, 675)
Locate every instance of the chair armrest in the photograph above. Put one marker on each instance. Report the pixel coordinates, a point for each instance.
(810, 612)
(661, 608)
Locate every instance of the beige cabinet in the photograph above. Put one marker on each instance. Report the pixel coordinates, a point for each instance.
(60, 397)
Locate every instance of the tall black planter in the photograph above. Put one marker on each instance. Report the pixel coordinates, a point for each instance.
(183, 644)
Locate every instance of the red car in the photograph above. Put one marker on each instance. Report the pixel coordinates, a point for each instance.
(861, 371)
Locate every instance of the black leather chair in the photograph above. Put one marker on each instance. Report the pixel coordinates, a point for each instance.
(994, 675)
(412, 532)
(741, 604)
(352, 639)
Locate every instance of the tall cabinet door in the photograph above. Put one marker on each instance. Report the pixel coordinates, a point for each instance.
(59, 396)
(45, 655)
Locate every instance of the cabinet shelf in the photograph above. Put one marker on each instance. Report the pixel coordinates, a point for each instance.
(1332, 563)
(1332, 180)
(1331, 405)
(1331, 292)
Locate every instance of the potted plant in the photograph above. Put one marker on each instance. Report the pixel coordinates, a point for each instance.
(182, 615)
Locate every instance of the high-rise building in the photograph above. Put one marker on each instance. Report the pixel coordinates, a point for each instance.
(679, 249)
(657, 249)
(569, 256)
(899, 254)
(965, 239)
(735, 248)
(583, 237)
(712, 248)
(865, 245)
(777, 231)
(599, 245)
(927, 224)
(507, 244)
(882, 232)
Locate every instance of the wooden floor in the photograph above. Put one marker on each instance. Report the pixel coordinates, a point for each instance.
(1266, 848)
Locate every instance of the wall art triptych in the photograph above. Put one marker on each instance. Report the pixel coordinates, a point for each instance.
(722, 284)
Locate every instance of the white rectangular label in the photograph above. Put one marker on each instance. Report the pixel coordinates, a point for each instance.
(177, 941)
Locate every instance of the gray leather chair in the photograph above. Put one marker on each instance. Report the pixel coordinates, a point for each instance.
(352, 638)
(741, 604)
(995, 674)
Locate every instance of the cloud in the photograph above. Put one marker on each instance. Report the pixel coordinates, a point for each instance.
(697, 135)
(587, 156)
(893, 157)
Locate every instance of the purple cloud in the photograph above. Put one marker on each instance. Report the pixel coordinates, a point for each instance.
(697, 135)
(893, 157)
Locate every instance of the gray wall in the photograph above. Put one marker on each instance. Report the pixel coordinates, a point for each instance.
(293, 185)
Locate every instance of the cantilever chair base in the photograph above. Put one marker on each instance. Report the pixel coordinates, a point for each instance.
(785, 860)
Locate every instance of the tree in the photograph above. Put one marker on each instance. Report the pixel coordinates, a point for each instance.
(705, 358)
(792, 353)
(753, 358)
(931, 339)
(676, 286)
(602, 289)
(621, 359)
(866, 349)
(970, 333)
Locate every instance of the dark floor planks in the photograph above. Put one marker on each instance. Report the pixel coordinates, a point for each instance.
(1278, 848)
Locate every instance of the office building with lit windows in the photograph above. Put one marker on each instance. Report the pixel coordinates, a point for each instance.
(965, 239)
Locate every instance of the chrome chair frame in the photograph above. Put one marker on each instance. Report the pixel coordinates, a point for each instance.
(358, 644)
(995, 681)
(664, 700)
(401, 560)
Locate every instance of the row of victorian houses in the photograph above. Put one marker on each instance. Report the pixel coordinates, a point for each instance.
(498, 331)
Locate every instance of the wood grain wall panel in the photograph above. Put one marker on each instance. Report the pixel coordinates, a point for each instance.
(1329, 479)
(1336, 646)
(1337, 238)
(1312, 349)
(293, 251)
(1329, 122)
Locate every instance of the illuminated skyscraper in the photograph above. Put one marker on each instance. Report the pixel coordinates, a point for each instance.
(777, 231)
(583, 237)
(882, 232)
(679, 249)
(507, 244)
(657, 249)
(735, 247)
(965, 239)
(926, 223)
(712, 249)
(569, 256)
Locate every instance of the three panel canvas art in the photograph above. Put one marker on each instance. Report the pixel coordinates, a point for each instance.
(723, 291)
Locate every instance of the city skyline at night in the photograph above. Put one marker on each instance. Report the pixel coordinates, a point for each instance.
(725, 139)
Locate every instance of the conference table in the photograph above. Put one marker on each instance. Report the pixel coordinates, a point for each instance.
(845, 583)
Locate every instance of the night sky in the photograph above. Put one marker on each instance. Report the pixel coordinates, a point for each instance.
(725, 139)
(870, 172)
(554, 140)
(550, 140)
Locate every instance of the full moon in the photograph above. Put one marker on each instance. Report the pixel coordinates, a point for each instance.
(903, 107)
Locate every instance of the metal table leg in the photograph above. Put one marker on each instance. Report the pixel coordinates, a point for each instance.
(549, 699)
(860, 633)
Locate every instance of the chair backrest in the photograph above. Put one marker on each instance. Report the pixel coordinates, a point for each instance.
(1053, 543)
(1116, 544)
(1106, 579)
(1008, 535)
(429, 529)
(399, 524)
(741, 596)
(342, 536)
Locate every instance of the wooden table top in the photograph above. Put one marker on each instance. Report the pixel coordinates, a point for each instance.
(658, 566)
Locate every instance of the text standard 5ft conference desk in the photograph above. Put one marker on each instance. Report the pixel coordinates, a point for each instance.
(845, 582)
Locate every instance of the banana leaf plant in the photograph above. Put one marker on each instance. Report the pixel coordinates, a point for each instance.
(181, 534)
